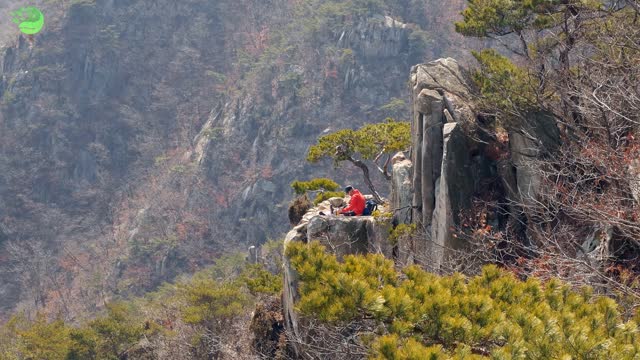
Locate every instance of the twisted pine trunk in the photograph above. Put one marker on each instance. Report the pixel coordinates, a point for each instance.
(367, 179)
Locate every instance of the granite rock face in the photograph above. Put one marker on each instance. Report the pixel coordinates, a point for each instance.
(442, 183)
(537, 136)
(455, 153)
(454, 189)
(401, 189)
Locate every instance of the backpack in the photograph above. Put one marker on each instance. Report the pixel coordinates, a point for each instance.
(370, 207)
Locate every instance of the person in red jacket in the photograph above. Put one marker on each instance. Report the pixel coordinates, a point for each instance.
(356, 204)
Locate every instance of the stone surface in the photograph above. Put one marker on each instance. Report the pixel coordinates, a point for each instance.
(524, 150)
(379, 36)
(339, 234)
(538, 135)
(337, 201)
(441, 94)
(431, 156)
(378, 237)
(454, 191)
(401, 189)
(451, 81)
(290, 288)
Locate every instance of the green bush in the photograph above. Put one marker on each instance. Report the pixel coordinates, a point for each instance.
(207, 302)
(260, 281)
(210, 303)
(324, 184)
(382, 215)
(326, 189)
(504, 84)
(492, 315)
(401, 231)
(112, 334)
(42, 339)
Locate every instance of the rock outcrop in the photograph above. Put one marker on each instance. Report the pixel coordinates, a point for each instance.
(385, 37)
(339, 234)
(453, 158)
(453, 155)
(536, 137)
(441, 179)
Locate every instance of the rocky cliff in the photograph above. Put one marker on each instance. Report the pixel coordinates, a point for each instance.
(455, 158)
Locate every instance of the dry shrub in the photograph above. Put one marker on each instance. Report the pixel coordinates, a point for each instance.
(298, 208)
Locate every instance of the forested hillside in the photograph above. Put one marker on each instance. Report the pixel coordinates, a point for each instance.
(144, 146)
(142, 140)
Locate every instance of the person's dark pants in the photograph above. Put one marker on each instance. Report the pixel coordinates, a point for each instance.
(350, 213)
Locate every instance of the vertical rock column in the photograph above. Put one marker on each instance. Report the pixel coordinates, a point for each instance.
(428, 107)
(441, 161)
(416, 159)
(401, 204)
(431, 149)
(453, 192)
(401, 197)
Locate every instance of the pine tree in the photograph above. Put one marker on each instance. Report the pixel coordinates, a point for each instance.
(370, 142)
(492, 315)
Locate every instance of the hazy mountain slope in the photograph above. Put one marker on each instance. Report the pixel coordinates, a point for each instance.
(141, 139)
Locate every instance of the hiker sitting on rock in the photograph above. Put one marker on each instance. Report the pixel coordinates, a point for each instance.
(356, 204)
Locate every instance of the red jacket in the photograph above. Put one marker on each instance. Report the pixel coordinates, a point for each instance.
(356, 204)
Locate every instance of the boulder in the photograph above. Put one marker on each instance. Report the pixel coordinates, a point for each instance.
(336, 202)
(349, 235)
(450, 80)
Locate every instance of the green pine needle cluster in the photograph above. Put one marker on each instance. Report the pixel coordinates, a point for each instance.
(366, 142)
(326, 196)
(105, 338)
(503, 84)
(490, 316)
(494, 18)
(402, 231)
(323, 184)
(327, 189)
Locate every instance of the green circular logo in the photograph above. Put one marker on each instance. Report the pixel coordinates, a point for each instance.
(29, 19)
